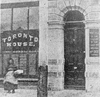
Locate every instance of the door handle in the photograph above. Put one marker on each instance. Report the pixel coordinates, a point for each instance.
(75, 67)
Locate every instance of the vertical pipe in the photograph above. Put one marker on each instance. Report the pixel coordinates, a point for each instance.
(11, 19)
(2, 63)
(37, 62)
(11, 31)
(28, 19)
(19, 61)
(27, 65)
(1, 54)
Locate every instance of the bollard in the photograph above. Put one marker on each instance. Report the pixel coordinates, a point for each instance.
(42, 82)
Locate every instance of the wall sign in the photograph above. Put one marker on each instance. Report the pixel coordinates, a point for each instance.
(94, 42)
(52, 61)
(92, 74)
(20, 40)
(94, 15)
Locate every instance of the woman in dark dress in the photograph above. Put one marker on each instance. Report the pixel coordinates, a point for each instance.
(10, 81)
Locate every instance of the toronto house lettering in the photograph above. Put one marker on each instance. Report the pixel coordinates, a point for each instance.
(30, 42)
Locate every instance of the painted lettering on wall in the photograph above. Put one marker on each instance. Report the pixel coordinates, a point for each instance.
(20, 40)
(92, 74)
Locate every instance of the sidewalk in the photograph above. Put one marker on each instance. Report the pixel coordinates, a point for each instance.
(19, 93)
(76, 93)
(64, 93)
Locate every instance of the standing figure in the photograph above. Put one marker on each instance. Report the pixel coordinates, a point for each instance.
(10, 81)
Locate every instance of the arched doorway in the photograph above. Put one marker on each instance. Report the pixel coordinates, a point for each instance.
(74, 49)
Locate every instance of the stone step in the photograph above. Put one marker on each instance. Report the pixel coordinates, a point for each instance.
(23, 83)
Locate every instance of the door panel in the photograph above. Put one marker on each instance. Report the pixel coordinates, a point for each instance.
(74, 57)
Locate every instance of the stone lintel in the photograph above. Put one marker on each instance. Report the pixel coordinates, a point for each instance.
(55, 23)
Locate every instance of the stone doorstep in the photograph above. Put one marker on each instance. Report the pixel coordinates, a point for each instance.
(65, 93)
(74, 93)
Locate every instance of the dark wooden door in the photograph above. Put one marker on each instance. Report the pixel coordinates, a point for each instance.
(74, 57)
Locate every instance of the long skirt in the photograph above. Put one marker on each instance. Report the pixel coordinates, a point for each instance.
(10, 86)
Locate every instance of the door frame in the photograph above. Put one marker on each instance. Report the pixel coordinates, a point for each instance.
(73, 86)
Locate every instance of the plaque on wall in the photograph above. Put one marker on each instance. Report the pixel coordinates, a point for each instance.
(52, 61)
(94, 42)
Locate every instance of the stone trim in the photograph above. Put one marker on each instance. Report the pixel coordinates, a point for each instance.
(19, 5)
(92, 21)
(55, 23)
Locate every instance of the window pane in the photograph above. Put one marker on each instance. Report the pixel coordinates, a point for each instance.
(34, 18)
(5, 63)
(5, 20)
(32, 64)
(20, 18)
(5, 23)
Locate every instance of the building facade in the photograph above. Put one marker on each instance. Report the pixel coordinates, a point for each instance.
(69, 41)
(20, 36)
(72, 30)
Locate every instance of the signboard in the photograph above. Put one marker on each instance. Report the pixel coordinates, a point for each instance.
(20, 40)
(94, 42)
(94, 15)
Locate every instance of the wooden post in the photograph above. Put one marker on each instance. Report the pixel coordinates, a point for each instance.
(42, 83)
(11, 52)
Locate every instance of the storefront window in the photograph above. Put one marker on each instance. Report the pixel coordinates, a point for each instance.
(19, 18)
(34, 18)
(5, 24)
(22, 18)
(5, 20)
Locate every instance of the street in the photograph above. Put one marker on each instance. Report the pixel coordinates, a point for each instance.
(64, 93)
(19, 93)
